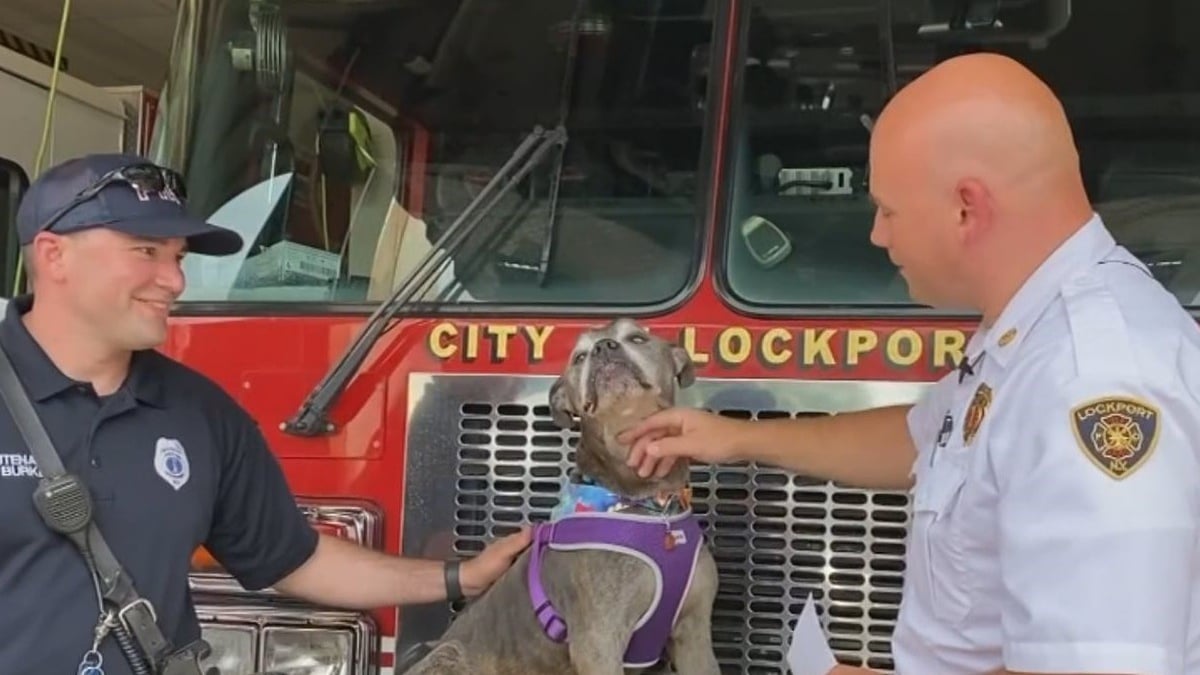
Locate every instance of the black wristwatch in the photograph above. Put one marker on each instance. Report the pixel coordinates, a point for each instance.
(454, 590)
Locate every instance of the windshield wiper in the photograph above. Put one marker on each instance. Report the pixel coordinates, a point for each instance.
(312, 418)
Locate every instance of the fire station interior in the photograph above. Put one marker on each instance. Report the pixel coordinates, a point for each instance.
(394, 116)
(383, 120)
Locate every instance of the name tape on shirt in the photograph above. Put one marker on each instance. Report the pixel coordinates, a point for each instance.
(19, 466)
(1117, 433)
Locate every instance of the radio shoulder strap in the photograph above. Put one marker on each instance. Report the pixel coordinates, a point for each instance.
(134, 612)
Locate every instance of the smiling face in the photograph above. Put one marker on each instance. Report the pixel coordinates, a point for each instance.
(120, 287)
(615, 365)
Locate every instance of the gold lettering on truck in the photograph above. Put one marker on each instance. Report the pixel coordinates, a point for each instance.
(734, 346)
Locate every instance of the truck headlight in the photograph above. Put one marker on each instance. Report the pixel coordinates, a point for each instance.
(253, 638)
(234, 648)
(308, 651)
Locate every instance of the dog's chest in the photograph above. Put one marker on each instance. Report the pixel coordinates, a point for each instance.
(669, 545)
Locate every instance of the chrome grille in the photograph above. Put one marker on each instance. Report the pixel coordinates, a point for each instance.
(777, 538)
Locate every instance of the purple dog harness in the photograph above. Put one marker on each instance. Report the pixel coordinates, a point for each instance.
(670, 544)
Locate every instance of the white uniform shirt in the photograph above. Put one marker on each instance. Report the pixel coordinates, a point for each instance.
(1057, 492)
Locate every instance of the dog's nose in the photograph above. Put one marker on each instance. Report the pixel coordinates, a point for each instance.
(610, 345)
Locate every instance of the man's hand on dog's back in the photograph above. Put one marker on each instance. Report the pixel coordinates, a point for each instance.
(480, 572)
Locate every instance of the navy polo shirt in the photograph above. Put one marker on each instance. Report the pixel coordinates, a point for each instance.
(172, 462)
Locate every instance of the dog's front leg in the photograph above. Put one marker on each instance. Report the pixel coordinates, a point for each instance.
(691, 647)
(593, 652)
(448, 658)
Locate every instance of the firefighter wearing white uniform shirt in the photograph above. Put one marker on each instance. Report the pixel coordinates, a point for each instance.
(1056, 493)
(1055, 478)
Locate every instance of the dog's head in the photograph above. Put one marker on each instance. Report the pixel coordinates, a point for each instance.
(616, 376)
(613, 364)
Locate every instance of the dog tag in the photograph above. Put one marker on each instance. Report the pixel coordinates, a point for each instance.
(674, 538)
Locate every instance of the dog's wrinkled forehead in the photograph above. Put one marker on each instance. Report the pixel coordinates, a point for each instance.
(623, 345)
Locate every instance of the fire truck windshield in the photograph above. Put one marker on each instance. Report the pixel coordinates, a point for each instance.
(344, 138)
(817, 72)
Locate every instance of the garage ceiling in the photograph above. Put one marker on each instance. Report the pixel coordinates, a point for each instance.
(108, 42)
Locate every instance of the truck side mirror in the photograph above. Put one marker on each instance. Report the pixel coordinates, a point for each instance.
(13, 184)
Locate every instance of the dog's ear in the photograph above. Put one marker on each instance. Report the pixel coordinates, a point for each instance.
(561, 408)
(685, 368)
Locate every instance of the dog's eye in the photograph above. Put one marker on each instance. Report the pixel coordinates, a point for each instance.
(579, 358)
(638, 339)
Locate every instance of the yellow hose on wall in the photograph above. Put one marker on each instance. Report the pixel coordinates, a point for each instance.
(47, 121)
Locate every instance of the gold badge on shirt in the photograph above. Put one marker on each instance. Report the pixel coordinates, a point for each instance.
(976, 412)
(1117, 433)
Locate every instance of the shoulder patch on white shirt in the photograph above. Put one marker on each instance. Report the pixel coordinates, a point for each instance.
(1117, 433)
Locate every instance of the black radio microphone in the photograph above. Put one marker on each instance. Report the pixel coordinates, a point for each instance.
(66, 505)
(965, 369)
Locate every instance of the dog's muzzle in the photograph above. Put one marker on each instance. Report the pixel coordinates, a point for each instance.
(611, 372)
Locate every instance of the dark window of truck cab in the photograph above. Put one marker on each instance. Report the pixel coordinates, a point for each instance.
(344, 139)
(817, 72)
(13, 184)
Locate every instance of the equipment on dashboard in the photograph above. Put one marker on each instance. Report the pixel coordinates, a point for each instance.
(765, 241)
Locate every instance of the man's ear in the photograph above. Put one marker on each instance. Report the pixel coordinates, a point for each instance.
(685, 368)
(561, 408)
(975, 208)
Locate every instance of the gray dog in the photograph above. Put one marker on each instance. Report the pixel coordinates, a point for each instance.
(621, 576)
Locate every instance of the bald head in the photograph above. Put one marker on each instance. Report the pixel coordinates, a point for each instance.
(984, 115)
(974, 166)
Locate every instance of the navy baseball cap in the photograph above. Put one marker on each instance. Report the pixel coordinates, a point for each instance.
(126, 193)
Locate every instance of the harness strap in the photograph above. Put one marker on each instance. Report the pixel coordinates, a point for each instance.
(670, 546)
(552, 624)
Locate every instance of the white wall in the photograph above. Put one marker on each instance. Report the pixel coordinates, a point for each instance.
(86, 118)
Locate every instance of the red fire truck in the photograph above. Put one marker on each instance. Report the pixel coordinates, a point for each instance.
(438, 195)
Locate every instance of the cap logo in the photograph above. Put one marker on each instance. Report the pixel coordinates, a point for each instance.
(165, 194)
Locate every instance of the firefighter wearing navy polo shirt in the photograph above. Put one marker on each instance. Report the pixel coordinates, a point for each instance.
(1054, 478)
(171, 460)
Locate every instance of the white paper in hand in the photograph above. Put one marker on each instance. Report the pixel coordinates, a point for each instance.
(809, 653)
